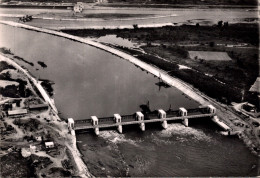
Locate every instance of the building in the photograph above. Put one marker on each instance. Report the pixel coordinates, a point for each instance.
(17, 112)
(38, 107)
(38, 138)
(32, 148)
(49, 145)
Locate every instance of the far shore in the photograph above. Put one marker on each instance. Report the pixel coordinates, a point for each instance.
(132, 5)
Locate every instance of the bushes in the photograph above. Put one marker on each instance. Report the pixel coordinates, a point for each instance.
(4, 65)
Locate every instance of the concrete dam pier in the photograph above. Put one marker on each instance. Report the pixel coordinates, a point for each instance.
(95, 123)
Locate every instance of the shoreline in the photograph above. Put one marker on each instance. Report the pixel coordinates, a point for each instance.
(129, 5)
(77, 161)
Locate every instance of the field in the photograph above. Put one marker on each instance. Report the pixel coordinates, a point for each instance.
(209, 55)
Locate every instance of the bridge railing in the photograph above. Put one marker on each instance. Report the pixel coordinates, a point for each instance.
(105, 119)
(151, 116)
(82, 121)
(128, 117)
(171, 113)
(204, 110)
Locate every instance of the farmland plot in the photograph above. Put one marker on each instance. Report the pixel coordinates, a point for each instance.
(209, 55)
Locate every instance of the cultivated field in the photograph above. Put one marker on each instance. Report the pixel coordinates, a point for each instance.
(209, 56)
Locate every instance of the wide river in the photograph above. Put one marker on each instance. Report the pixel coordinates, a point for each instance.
(148, 16)
(89, 81)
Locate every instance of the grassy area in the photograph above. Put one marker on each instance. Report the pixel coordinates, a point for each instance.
(237, 33)
(14, 165)
(189, 2)
(223, 80)
(11, 90)
(4, 65)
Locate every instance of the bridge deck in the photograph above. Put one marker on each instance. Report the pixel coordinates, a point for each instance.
(109, 122)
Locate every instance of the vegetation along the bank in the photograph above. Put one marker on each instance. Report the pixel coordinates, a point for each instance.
(231, 80)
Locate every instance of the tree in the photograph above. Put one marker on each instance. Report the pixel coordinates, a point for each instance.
(135, 26)
(220, 23)
(226, 24)
(212, 44)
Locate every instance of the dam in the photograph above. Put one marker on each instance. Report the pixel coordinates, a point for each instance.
(94, 123)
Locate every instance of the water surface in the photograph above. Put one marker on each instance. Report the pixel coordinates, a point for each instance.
(89, 82)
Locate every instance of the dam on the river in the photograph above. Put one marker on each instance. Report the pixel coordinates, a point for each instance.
(95, 123)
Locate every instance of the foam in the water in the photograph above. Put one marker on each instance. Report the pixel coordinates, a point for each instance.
(181, 130)
(115, 137)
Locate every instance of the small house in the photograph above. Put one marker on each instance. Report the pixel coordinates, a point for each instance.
(32, 148)
(38, 138)
(49, 145)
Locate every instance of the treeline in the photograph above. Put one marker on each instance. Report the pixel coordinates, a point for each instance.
(172, 34)
(173, 2)
(188, 2)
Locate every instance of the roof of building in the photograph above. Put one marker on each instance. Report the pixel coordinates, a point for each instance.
(17, 112)
(256, 86)
(32, 146)
(49, 143)
(38, 106)
(70, 120)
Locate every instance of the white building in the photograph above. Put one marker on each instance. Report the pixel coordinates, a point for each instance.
(49, 145)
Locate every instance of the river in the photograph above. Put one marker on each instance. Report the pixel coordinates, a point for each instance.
(89, 81)
(149, 16)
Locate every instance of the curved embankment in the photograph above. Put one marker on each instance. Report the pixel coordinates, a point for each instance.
(88, 19)
(102, 20)
(186, 89)
(69, 27)
(35, 82)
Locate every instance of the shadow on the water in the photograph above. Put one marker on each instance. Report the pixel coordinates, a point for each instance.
(162, 84)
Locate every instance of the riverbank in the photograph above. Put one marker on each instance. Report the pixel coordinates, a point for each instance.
(180, 6)
(224, 112)
(110, 18)
(57, 130)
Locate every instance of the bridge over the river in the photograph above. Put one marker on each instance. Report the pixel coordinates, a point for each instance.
(94, 123)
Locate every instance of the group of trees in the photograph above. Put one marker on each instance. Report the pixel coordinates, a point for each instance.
(188, 2)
